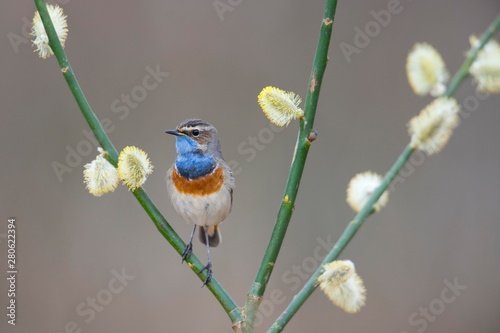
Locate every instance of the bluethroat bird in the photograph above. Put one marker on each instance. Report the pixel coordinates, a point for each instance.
(200, 184)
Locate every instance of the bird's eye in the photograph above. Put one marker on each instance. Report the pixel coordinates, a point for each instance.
(195, 132)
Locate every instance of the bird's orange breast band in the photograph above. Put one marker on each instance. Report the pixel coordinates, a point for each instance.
(204, 185)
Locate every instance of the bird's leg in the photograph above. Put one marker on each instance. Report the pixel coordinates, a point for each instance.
(208, 267)
(189, 246)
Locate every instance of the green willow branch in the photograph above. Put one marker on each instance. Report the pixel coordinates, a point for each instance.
(300, 155)
(367, 209)
(463, 71)
(160, 222)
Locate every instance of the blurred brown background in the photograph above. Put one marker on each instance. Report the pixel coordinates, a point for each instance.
(441, 224)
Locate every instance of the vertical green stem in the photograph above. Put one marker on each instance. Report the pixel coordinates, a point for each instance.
(160, 222)
(303, 143)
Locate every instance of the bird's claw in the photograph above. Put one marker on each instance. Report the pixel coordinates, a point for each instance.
(208, 268)
(187, 251)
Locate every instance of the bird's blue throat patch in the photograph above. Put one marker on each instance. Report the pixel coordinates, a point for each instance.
(190, 163)
(194, 165)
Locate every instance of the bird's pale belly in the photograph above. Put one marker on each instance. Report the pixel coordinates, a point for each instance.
(204, 210)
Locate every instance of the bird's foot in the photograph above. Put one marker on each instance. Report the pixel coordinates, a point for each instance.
(208, 268)
(187, 251)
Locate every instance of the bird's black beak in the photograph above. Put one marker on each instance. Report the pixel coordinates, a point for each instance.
(174, 132)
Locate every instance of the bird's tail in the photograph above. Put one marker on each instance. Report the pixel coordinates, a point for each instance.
(214, 237)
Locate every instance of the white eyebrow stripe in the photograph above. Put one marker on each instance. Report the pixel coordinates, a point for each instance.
(189, 128)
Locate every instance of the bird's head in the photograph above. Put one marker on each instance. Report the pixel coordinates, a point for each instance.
(196, 136)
